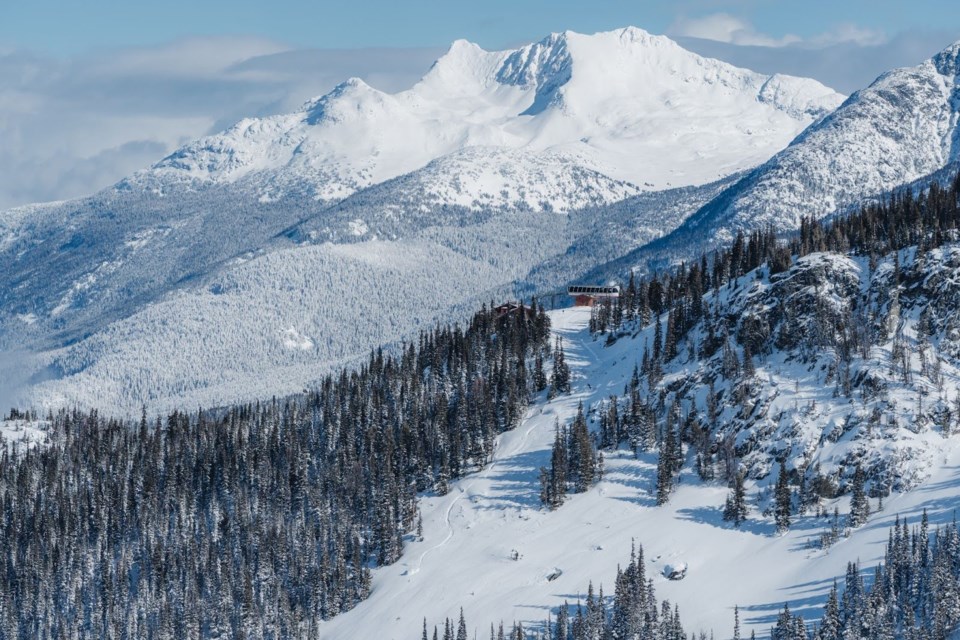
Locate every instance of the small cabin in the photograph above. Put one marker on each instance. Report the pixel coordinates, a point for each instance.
(588, 295)
(507, 308)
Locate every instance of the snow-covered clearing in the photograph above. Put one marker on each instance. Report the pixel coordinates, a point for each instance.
(489, 547)
(19, 435)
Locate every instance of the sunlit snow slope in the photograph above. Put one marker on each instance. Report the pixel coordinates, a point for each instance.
(903, 127)
(472, 534)
(635, 108)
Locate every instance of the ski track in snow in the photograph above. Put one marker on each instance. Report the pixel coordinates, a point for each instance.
(497, 458)
(464, 492)
(489, 515)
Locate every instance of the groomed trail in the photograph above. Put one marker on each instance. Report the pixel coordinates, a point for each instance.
(489, 547)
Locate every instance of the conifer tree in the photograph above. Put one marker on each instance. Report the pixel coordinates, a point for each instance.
(658, 342)
(735, 509)
(563, 623)
(539, 375)
(859, 503)
(582, 458)
(555, 490)
(664, 476)
(462, 627)
(560, 382)
(830, 624)
(783, 500)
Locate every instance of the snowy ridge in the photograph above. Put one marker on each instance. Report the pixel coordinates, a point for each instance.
(484, 179)
(901, 128)
(805, 405)
(627, 104)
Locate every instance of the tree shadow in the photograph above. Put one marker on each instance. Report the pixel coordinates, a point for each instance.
(943, 484)
(940, 511)
(713, 516)
(514, 482)
(808, 603)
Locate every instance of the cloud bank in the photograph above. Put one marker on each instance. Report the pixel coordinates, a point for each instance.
(730, 29)
(71, 127)
(844, 65)
(723, 27)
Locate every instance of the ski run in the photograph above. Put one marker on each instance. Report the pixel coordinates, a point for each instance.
(488, 546)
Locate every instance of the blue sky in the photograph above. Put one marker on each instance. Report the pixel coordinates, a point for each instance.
(66, 27)
(92, 91)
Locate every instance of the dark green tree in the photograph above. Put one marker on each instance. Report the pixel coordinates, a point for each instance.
(735, 509)
(783, 500)
(859, 503)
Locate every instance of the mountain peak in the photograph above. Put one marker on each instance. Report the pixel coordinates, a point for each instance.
(461, 50)
(546, 65)
(568, 95)
(352, 89)
(462, 44)
(526, 65)
(636, 35)
(947, 61)
(463, 68)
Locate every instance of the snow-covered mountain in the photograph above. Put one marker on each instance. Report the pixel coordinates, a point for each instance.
(633, 108)
(503, 173)
(901, 128)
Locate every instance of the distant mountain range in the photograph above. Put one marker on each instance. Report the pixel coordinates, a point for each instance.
(248, 263)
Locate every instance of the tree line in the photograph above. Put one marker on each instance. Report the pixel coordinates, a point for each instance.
(259, 520)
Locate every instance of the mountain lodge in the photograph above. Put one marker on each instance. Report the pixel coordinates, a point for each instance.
(587, 296)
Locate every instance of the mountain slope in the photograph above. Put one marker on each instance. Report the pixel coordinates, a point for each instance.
(831, 358)
(823, 365)
(901, 128)
(466, 557)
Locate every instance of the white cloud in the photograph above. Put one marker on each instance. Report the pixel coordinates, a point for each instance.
(850, 33)
(73, 126)
(845, 65)
(187, 57)
(723, 27)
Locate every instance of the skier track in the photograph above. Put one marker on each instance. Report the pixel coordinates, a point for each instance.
(463, 491)
(496, 459)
